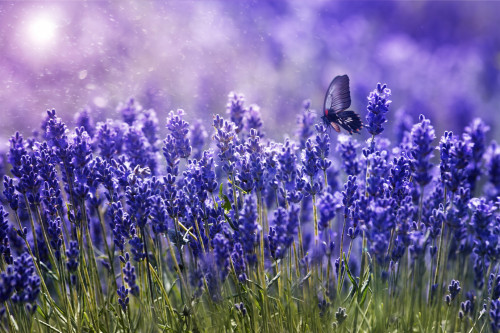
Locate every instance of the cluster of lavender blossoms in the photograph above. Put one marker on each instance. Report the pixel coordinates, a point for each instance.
(108, 227)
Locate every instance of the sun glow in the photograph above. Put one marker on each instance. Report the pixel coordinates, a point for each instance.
(41, 31)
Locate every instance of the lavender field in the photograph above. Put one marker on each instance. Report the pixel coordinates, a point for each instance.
(174, 167)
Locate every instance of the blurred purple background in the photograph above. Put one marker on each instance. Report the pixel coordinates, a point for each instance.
(439, 58)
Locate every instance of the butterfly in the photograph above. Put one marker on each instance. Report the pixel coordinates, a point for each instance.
(337, 101)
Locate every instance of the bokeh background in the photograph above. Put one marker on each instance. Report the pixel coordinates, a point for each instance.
(441, 59)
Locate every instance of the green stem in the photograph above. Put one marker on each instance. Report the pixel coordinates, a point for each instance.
(315, 215)
(347, 258)
(420, 203)
(235, 199)
(33, 230)
(150, 281)
(261, 264)
(341, 256)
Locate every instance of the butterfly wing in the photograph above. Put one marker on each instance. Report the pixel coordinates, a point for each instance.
(338, 96)
(350, 121)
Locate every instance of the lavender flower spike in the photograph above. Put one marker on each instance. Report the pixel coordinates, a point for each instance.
(236, 110)
(422, 135)
(378, 106)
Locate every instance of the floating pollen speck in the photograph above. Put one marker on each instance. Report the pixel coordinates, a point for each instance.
(82, 74)
(100, 101)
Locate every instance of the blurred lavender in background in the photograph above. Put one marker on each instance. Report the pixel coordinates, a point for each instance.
(440, 59)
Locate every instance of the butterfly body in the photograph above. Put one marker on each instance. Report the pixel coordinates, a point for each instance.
(330, 118)
(337, 101)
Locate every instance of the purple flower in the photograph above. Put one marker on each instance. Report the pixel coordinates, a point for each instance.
(56, 135)
(482, 216)
(30, 182)
(54, 233)
(462, 155)
(81, 154)
(137, 195)
(103, 172)
(445, 146)
(495, 315)
(323, 306)
(245, 177)
(287, 170)
(435, 221)
(225, 138)
(4, 236)
(212, 281)
(352, 206)
(380, 219)
(433, 200)
(83, 119)
(148, 123)
(422, 135)
(482, 223)
(375, 184)
(248, 230)
(419, 243)
(26, 282)
(403, 124)
(123, 298)
(399, 177)
(378, 106)
(326, 208)
(305, 126)
(256, 160)
(313, 188)
(177, 144)
(16, 152)
(72, 255)
(241, 308)
(136, 247)
(493, 166)
(158, 214)
(121, 226)
(494, 286)
(310, 160)
(129, 275)
(7, 283)
(138, 149)
(207, 169)
(322, 147)
(222, 255)
(293, 223)
(453, 289)
(47, 171)
(466, 308)
(236, 110)
(9, 191)
(478, 267)
(253, 120)
(347, 146)
(458, 212)
(197, 137)
(129, 110)
(108, 140)
(238, 259)
(349, 194)
(278, 235)
(475, 133)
